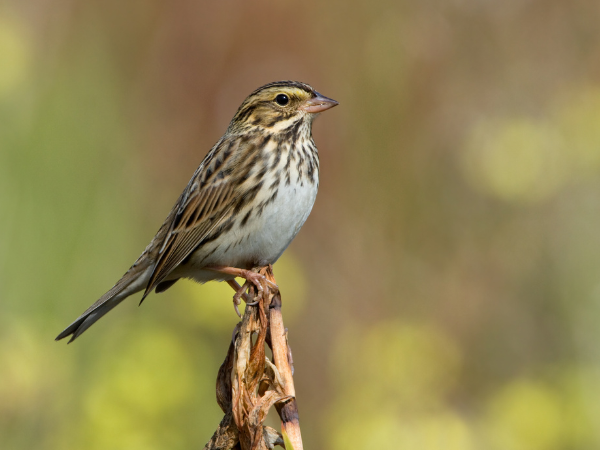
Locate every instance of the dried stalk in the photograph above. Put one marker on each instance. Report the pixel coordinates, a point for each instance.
(248, 384)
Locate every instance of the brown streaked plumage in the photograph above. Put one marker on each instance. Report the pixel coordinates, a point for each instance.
(242, 207)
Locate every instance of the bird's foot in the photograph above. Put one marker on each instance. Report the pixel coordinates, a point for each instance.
(251, 277)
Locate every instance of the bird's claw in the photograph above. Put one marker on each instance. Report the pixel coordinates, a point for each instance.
(260, 281)
(239, 293)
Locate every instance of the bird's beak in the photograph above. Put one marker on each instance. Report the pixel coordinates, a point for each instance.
(318, 104)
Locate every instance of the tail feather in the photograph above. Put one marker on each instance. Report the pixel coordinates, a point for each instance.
(87, 319)
(133, 281)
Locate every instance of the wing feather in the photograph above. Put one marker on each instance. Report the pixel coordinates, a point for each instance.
(206, 206)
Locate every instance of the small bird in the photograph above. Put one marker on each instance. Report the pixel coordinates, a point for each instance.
(243, 206)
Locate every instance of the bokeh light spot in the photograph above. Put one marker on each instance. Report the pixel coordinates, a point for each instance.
(526, 416)
(516, 160)
(15, 55)
(150, 377)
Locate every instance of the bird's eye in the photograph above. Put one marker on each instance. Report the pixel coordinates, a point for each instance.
(282, 99)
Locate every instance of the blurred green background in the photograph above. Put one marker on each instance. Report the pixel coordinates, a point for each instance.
(444, 293)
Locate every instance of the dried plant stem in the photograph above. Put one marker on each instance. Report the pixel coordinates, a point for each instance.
(248, 384)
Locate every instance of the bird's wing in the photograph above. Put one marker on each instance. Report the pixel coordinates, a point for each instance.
(205, 208)
(206, 205)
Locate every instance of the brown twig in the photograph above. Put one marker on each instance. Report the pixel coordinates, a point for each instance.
(288, 411)
(248, 384)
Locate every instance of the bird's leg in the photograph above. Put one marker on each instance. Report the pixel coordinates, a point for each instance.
(255, 278)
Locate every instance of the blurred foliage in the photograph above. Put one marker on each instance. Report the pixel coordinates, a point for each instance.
(444, 292)
(524, 159)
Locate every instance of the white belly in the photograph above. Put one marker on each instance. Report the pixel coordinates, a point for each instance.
(265, 237)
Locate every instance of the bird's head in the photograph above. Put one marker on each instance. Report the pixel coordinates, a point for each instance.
(277, 106)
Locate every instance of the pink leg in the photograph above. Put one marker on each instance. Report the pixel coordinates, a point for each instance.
(256, 279)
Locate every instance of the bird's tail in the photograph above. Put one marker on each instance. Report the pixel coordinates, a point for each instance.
(133, 281)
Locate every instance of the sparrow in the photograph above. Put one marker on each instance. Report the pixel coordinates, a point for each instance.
(242, 207)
